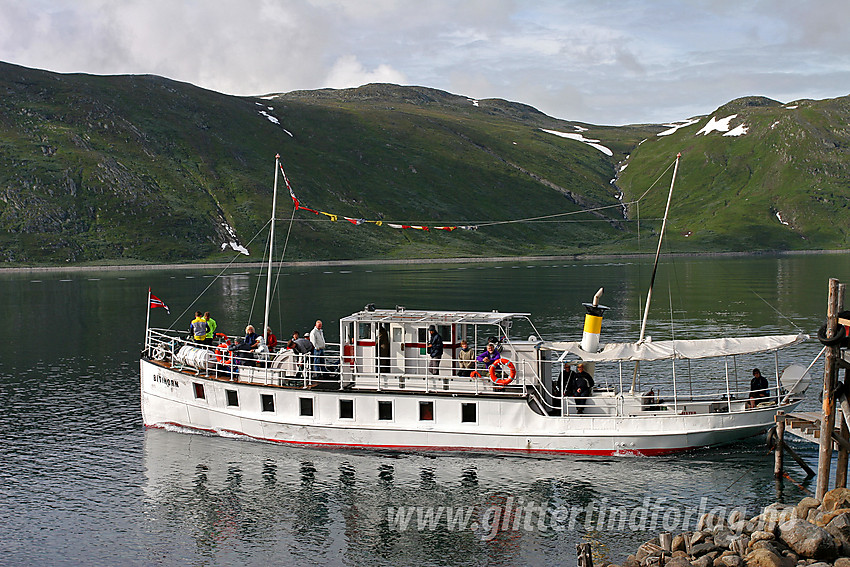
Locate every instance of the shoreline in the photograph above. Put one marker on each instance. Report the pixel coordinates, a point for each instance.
(402, 261)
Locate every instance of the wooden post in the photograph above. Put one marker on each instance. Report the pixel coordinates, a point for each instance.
(844, 433)
(584, 557)
(803, 464)
(780, 444)
(827, 423)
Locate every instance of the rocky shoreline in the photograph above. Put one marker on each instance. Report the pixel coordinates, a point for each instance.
(812, 533)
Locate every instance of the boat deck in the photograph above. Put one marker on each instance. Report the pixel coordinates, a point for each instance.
(332, 385)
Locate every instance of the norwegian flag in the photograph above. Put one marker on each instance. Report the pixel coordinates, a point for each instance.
(157, 302)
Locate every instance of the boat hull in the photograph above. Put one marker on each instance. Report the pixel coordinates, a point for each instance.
(169, 398)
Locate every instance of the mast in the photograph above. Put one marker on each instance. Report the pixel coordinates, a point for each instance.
(658, 251)
(271, 252)
(655, 266)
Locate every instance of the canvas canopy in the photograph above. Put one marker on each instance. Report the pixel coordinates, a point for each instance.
(684, 349)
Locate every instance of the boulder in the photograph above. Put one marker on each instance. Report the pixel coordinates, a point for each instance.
(820, 564)
(704, 548)
(805, 505)
(650, 548)
(839, 527)
(842, 562)
(827, 517)
(680, 553)
(777, 513)
(808, 540)
(733, 560)
(704, 561)
(699, 537)
(761, 536)
(835, 499)
(723, 537)
(764, 558)
(742, 527)
(738, 545)
(709, 521)
(631, 561)
(677, 562)
(678, 543)
(814, 516)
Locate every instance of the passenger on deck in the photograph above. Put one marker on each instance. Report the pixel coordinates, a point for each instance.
(566, 384)
(245, 349)
(583, 387)
(435, 350)
(758, 388)
(301, 345)
(198, 328)
(383, 350)
(271, 342)
(212, 325)
(317, 337)
(489, 356)
(466, 359)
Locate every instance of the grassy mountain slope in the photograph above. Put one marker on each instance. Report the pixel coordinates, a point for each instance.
(738, 192)
(141, 168)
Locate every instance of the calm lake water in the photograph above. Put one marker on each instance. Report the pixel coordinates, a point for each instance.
(83, 482)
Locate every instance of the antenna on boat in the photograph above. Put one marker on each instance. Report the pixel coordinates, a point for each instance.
(655, 266)
(271, 252)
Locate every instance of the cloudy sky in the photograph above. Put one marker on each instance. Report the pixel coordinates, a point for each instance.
(599, 61)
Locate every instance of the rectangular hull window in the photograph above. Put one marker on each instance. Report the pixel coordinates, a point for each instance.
(232, 397)
(305, 407)
(468, 413)
(346, 409)
(199, 391)
(268, 402)
(426, 411)
(385, 410)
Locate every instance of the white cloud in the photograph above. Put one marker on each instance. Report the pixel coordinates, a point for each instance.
(599, 62)
(347, 72)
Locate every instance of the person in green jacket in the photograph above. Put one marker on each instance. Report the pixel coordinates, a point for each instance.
(211, 324)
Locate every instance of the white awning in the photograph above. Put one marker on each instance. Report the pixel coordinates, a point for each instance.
(685, 349)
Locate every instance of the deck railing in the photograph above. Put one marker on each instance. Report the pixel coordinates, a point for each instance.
(333, 371)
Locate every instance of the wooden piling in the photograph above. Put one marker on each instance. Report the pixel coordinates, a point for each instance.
(780, 444)
(844, 433)
(584, 555)
(827, 424)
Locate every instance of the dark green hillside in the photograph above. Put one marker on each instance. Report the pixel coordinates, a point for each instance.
(141, 168)
(793, 161)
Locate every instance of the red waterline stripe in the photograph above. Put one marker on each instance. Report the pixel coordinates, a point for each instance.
(599, 452)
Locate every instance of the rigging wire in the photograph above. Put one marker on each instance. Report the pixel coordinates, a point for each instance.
(235, 257)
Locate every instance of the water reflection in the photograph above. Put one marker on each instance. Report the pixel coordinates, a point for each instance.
(225, 497)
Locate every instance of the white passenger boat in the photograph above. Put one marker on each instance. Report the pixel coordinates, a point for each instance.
(376, 388)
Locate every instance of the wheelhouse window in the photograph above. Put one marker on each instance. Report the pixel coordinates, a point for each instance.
(364, 331)
(385, 410)
(426, 411)
(305, 407)
(267, 401)
(346, 409)
(232, 397)
(199, 391)
(468, 413)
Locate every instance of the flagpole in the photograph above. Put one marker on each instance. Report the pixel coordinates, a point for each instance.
(271, 252)
(148, 322)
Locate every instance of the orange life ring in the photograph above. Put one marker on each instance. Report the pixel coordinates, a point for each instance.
(475, 374)
(222, 355)
(503, 381)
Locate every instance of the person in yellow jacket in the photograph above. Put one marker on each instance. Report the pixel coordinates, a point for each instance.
(212, 327)
(198, 328)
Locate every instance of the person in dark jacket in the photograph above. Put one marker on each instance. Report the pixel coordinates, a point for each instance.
(435, 350)
(758, 388)
(583, 387)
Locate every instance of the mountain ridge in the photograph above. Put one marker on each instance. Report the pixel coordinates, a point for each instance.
(138, 168)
